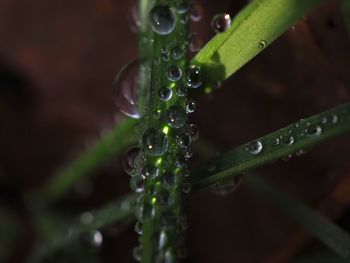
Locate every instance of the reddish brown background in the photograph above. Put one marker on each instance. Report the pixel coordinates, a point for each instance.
(57, 62)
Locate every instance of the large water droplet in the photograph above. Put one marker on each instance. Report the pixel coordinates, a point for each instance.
(221, 22)
(228, 188)
(174, 73)
(182, 6)
(154, 142)
(193, 77)
(289, 140)
(195, 42)
(150, 171)
(196, 12)
(177, 52)
(255, 147)
(137, 184)
(165, 94)
(126, 89)
(176, 117)
(162, 19)
(129, 161)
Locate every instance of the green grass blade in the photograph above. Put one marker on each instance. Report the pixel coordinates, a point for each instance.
(254, 28)
(57, 234)
(304, 134)
(331, 235)
(345, 7)
(110, 145)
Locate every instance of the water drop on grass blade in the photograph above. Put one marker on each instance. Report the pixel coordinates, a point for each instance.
(162, 19)
(174, 73)
(221, 22)
(165, 94)
(154, 142)
(176, 117)
(255, 147)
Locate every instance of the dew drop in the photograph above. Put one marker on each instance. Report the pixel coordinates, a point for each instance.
(315, 131)
(136, 253)
(137, 184)
(289, 140)
(193, 132)
(165, 94)
(154, 142)
(138, 228)
(276, 142)
(255, 147)
(196, 12)
(177, 53)
(193, 77)
(149, 171)
(162, 19)
(86, 218)
(129, 161)
(221, 22)
(181, 91)
(262, 44)
(334, 119)
(182, 6)
(183, 140)
(126, 89)
(174, 73)
(195, 42)
(96, 238)
(176, 117)
(186, 188)
(134, 17)
(190, 106)
(228, 188)
(188, 153)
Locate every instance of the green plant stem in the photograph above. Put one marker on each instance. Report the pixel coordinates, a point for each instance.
(59, 232)
(305, 134)
(253, 29)
(345, 8)
(331, 235)
(107, 147)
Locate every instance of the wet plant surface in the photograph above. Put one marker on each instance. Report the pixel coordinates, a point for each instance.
(58, 62)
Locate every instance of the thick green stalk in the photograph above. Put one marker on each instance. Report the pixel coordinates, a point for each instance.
(161, 199)
(295, 138)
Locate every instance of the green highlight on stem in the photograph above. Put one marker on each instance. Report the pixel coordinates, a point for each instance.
(295, 138)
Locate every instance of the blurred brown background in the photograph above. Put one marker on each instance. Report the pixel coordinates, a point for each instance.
(57, 63)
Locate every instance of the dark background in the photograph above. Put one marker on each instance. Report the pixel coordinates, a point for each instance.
(57, 63)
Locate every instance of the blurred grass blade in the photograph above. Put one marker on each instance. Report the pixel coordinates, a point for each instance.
(331, 235)
(110, 145)
(58, 233)
(254, 28)
(345, 8)
(294, 138)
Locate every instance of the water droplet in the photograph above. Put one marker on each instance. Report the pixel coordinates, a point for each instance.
(315, 131)
(183, 140)
(129, 161)
(334, 119)
(176, 117)
(137, 253)
(162, 19)
(255, 147)
(163, 239)
(134, 17)
(165, 94)
(228, 188)
(188, 153)
(177, 52)
(195, 42)
(169, 180)
(86, 218)
(221, 22)
(191, 106)
(289, 140)
(182, 6)
(262, 44)
(96, 238)
(165, 57)
(149, 171)
(276, 142)
(186, 188)
(137, 184)
(164, 50)
(181, 91)
(154, 142)
(126, 89)
(138, 227)
(174, 73)
(196, 12)
(194, 79)
(193, 132)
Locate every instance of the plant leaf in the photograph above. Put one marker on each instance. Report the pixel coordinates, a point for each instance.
(254, 28)
(111, 144)
(330, 234)
(294, 138)
(345, 8)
